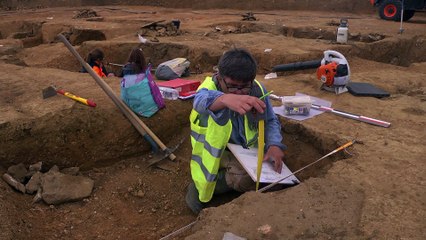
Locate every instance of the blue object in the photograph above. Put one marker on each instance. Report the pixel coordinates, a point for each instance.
(136, 93)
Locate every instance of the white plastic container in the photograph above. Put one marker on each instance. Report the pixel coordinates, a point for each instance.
(297, 105)
(169, 93)
(342, 35)
(342, 31)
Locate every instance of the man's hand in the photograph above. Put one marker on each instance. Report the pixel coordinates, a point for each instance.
(275, 154)
(238, 103)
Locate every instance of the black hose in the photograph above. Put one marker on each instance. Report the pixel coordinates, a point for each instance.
(297, 66)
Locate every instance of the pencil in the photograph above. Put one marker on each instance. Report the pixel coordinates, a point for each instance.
(265, 95)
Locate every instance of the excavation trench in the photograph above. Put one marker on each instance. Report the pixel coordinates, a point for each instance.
(372, 46)
(130, 197)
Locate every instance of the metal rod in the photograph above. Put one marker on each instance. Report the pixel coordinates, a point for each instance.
(310, 164)
(361, 118)
(116, 64)
(179, 231)
(401, 30)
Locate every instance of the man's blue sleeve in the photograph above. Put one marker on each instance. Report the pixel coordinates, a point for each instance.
(204, 99)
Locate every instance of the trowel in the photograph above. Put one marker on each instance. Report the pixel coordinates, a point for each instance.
(53, 91)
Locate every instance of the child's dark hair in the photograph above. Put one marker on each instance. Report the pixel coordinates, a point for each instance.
(137, 58)
(95, 54)
(238, 64)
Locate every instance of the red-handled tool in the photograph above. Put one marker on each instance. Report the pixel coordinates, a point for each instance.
(52, 91)
(88, 102)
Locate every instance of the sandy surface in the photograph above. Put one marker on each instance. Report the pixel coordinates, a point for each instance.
(375, 190)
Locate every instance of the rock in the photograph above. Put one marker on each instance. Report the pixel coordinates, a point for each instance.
(32, 169)
(37, 197)
(140, 194)
(34, 184)
(264, 229)
(36, 167)
(59, 188)
(18, 172)
(14, 183)
(231, 236)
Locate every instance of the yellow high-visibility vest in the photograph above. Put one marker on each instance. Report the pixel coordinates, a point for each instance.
(208, 140)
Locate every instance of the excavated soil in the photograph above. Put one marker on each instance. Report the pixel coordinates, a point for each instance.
(374, 190)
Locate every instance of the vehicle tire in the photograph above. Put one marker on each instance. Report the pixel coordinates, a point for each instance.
(390, 10)
(408, 14)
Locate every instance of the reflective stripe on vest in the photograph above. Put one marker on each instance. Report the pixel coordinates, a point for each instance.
(209, 177)
(208, 140)
(215, 152)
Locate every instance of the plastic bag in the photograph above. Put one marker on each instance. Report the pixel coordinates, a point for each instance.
(172, 69)
(141, 94)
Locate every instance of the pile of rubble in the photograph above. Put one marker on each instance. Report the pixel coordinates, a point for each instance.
(53, 186)
(249, 17)
(161, 29)
(86, 13)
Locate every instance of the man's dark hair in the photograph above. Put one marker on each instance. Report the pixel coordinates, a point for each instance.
(238, 64)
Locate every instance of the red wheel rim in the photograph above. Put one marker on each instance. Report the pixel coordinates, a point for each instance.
(390, 10)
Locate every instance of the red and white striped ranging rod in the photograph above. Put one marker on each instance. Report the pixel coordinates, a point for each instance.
(352, 116)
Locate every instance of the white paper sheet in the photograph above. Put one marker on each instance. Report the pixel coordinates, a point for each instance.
(312, 113)
(248, 159)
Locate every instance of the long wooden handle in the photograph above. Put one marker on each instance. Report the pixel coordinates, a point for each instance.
(133, 118)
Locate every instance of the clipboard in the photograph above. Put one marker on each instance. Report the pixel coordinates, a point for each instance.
(248, 159)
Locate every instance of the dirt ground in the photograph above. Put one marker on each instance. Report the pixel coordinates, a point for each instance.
(375, 190)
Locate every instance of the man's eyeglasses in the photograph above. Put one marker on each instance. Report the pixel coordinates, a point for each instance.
(234, 88)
